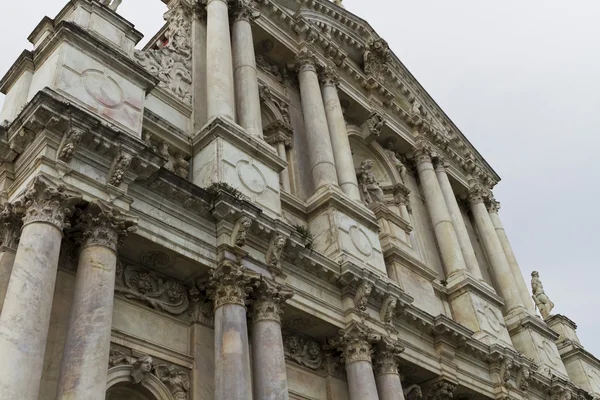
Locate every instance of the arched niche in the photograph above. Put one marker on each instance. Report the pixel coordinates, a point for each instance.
(119, 386)
(385, 173)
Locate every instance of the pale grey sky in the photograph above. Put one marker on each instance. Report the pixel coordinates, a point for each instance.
(521, 80)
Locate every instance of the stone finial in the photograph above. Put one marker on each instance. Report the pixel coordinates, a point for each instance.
(230, 283)
(47, 202)
(11, 221)
(387, 356)
(355, 343)
(542, 301)
(105, 226)
(270, 299)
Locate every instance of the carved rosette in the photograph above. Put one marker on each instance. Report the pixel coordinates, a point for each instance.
(11, 222)
(46, 202)
(104, 226)
(270, 299)
(355, 343)
(230, 283)
(422, 152)
(306, 61)
(245, 10)
(441, 391)
(386, 358)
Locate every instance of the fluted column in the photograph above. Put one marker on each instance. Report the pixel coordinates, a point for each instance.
(268, 358)
(387, 377)
(493, 208)
(83, 369)
(457, 219)
(355, 345)
(279, 135)
(443, 228)
(25, 315)
(219, 63)
(244, 70)
(320, 153)
(342, 153)
(10, 228)
(502, 271)
(230, 283)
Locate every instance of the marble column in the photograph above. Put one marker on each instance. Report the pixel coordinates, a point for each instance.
(279, 135)
(87, 346)
(10, 225)
(443, 228)
(355, 345)
(244, 70)
(344, 164)
(230, 284)
(493, 208)
(268, 358)
(320, 152)
(25, 315)
(493, 248)
(387, 377)
(457, 219)
(219, 63)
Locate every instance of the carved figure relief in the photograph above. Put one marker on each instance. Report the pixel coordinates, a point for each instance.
(70, 143)
(171, 60)
(361, 297)
(375, 58)
(441, 391)
(413, 392)
(10, 224)
(269, 67)
(542, 301)
(302, 351)
(241, 230)
(175, 379)
(390, 152)
(120, 168)
(112, 4)
(375, 124)
(267, 95)
(275, 250)
(146, 286)
(388, 310)
(371, 193)
(523, 376)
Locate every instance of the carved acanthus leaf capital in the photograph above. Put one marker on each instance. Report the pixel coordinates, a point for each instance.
(306, 60)
(279, 132)
(386, 357)
(477, 194)
(355, 343)
(270, 299)
(245, 10)
(329, 77)
(105, 226)
(441, 164)
(230, 283)
(422, 151)
(47, 202)
(493, 206)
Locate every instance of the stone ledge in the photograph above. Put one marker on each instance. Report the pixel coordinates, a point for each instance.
(393, 253)
(466, 282)
(23, 63)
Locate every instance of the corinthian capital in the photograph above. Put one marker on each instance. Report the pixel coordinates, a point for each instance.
(46, 202)
(104, 226)
(422, 152)
(492, 205)
(477, 194)
(245, 10)
(306, 60)
(270, 299)
(329, 77)
(355, 343)
(11, 222)
(230, 283)
(386, 357)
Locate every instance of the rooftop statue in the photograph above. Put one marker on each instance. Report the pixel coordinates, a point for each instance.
(543, 302)
(112, 4)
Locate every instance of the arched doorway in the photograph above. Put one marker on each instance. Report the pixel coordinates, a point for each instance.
(119, 386)
(119, 392)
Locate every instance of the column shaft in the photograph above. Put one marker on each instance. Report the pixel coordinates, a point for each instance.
(502, 271)
(443, 228)
(342, 153)
(219, 64)
(7, 259)
(459, 224)
(322, 162)
(512, 261)
(389, 387)
(232, 357)
(361, 381)
(10, 230)
(244, 74)
(284, 175)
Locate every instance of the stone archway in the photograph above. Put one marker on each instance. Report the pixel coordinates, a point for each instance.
(120, 386)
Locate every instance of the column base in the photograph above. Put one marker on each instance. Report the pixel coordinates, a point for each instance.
(223, 152)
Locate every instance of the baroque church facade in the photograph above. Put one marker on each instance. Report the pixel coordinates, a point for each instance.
(262, 203)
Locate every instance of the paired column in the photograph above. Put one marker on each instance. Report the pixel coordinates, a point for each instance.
(244, 70)
(452, 257)
(322, 162)
(25, 315)
(10, 228)
(219, 64)
(502, 271)
(229, 285)
(355, 345)
(457, 219)
(342, 153)
(387, 377)
(83, 369)
(493, 208)
(268, 358)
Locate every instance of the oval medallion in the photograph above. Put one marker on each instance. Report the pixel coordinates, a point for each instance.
(361, 241)
(102, 88)
(251, 177)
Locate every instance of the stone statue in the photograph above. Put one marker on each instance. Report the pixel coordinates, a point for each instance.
(141, 369)
(240, 232)
(275, 250)
(175, 379)
(369, 187)
(413, 392)
(112, 4)
(543, 302)
(391, 154)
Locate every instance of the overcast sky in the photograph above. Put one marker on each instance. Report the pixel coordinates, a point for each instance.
(521, 80)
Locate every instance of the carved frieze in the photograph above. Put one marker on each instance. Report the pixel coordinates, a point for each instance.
(158, 292)
(171, 60)
(303, 351)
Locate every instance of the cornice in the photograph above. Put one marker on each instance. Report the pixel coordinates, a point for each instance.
(393, 253)
(569, 349)
(24, 63)
(534, 323)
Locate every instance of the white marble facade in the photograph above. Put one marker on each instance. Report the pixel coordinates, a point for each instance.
(260, 204)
